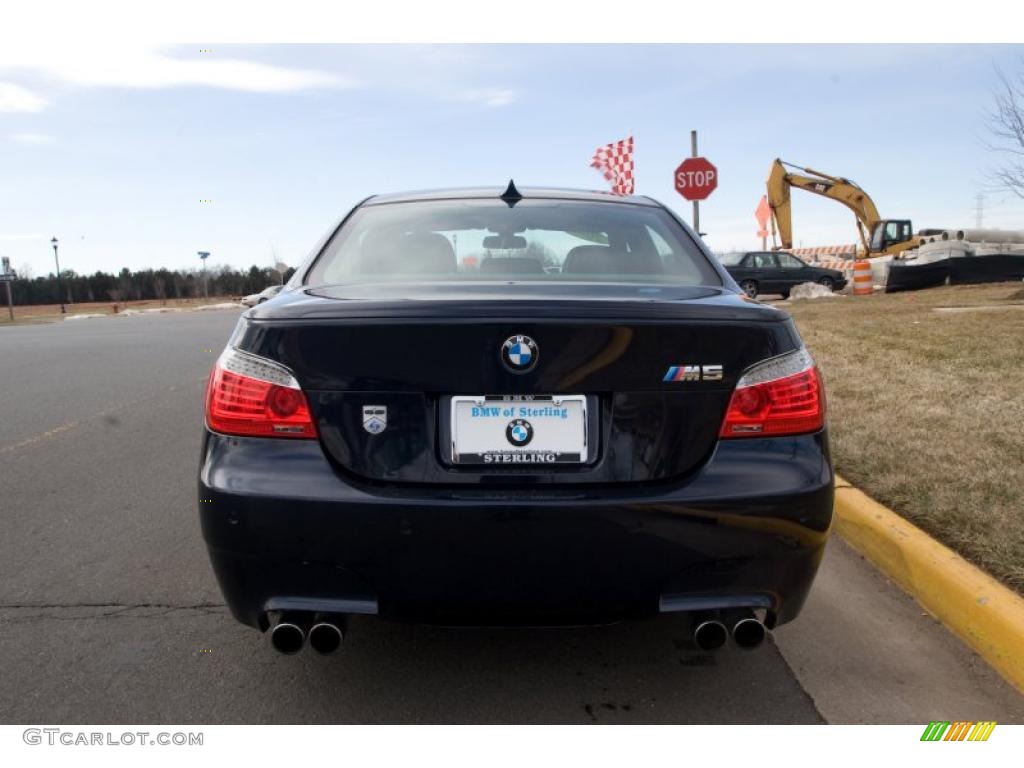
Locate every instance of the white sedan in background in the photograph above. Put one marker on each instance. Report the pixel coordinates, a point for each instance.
(258, 298)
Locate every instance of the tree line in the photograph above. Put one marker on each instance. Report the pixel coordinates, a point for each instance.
(146, 284)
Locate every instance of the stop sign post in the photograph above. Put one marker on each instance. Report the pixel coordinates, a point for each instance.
(695, 179)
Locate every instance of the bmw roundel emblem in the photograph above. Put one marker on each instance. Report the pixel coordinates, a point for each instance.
(519, 353)
(519, 432)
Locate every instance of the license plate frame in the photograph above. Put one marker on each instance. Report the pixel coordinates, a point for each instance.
(546, 447)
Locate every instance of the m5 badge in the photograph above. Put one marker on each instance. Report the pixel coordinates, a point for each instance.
(375, 418)
(694, 373)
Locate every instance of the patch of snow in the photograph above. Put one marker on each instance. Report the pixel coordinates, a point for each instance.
(222, 305)
(84, 316)
(979, 308)
(130, 312)
(810, 291)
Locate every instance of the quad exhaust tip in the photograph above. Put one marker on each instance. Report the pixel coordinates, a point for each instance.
(287, 637)
(325, 637)
(711, 629)
(710, 635)
(748, 633)
(290, 631)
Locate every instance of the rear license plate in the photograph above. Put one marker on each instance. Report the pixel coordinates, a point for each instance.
(510, 430)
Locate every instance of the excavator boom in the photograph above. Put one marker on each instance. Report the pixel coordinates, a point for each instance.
(781, 178)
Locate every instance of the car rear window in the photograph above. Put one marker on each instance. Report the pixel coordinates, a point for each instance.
(473, 240)
(731, 259)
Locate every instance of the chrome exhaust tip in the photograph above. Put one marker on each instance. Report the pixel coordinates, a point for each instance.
(748, 633)
(710, 635)
(326, 635)
(287, 636)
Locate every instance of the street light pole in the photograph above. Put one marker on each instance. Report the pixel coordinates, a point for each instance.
(60, 285)
(204, 255)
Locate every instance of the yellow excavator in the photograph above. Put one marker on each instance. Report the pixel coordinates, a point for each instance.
(878, 236)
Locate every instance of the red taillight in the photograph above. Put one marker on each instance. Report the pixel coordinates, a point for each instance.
(237, 404)
(790, 404)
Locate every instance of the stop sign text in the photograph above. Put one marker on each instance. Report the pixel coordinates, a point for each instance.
(696, 178)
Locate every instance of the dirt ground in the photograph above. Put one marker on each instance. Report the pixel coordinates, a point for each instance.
(926, 403)
(48, 313)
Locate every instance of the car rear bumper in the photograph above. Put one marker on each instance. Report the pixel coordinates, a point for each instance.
(286, 530)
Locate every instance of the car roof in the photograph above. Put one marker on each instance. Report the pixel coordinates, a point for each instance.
(482, 193)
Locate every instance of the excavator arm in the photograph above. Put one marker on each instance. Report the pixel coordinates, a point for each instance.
(780, 179)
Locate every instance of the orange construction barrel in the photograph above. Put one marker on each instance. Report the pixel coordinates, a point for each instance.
(862, 284)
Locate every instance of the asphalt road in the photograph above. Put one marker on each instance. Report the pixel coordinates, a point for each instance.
(109, 611)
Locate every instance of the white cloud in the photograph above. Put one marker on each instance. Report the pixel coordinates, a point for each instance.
(489, 97)
(432, 70)
(32, 138)
(158, 71)
(14, 98)
(140, 67)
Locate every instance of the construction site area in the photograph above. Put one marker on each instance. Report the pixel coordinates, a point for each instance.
(888, 255)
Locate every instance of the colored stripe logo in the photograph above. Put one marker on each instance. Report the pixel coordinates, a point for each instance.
(959, 730)
(687, 373)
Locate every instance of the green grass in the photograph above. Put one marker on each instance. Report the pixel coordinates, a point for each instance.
(926, 410)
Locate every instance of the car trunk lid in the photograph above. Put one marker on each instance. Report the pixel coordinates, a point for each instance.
(646, 360)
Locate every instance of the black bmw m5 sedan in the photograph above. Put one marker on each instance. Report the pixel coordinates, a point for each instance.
(536, 406)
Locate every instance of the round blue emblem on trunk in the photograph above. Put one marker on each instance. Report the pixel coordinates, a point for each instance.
(519, 354)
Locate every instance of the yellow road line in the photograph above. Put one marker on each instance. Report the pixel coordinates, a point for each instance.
(36, 438)
(983, 613)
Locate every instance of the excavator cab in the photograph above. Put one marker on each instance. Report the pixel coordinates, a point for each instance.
(890, 232)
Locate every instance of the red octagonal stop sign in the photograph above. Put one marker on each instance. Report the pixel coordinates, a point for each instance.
(696, 178)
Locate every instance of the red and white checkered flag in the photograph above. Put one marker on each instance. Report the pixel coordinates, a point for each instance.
(615, 161)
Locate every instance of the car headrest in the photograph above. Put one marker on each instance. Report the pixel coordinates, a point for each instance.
(589, 259)
(429, 253)
(512, 265)
(420, 253)
(603, 260)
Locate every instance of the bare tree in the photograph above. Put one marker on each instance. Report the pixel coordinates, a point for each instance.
(25, 271)
(1006, 131)
(160, 288)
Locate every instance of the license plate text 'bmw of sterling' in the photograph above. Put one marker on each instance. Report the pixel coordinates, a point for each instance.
(519, 429)
(502, 406)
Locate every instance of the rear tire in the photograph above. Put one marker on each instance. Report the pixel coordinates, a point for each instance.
(750, 288)
(827, 282)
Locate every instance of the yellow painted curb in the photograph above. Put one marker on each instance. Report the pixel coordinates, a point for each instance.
(975, 607)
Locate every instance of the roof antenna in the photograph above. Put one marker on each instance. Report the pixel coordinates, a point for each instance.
(511, 195)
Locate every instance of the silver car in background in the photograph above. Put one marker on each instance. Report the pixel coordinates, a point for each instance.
(265, 295)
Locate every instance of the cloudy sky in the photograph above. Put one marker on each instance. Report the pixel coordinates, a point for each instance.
(142, 157)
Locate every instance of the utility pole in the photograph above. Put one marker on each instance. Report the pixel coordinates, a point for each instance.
(60, 285)
(980, 210)
(696, 204)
